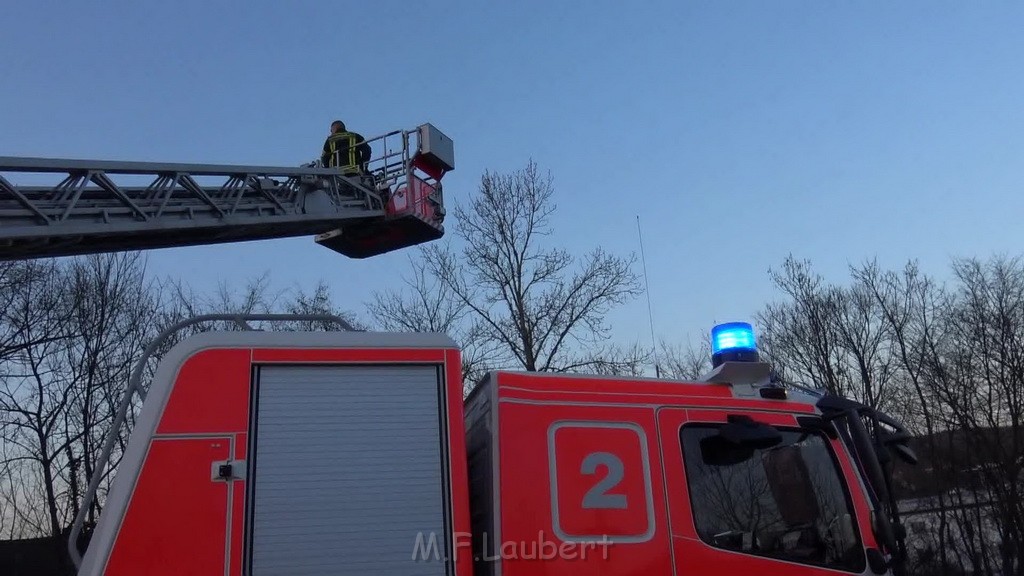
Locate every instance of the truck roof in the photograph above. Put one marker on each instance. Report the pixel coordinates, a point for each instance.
(561, 388)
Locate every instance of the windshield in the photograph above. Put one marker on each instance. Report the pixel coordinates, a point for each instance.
(787, 501)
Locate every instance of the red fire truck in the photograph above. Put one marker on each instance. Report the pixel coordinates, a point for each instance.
(352, 452)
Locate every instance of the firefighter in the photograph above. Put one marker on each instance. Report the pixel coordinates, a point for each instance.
(346, 150)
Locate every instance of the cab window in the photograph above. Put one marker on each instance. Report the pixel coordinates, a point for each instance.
(786, 501)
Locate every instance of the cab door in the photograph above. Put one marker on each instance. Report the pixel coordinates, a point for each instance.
(776, 508)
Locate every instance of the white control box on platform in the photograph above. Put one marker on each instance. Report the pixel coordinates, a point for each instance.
(437, 147)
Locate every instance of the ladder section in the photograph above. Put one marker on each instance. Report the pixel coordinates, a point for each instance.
(72, 207)
(56, 207)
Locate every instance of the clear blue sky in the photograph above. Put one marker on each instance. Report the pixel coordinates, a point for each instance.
(739, 132)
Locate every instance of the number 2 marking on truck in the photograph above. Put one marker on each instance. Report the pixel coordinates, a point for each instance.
(597, 496)
(600, 481)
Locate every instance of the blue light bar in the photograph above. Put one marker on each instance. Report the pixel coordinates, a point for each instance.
(733, 341)
(732, 336)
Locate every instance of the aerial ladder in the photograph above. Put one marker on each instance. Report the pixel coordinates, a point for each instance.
(76, 207)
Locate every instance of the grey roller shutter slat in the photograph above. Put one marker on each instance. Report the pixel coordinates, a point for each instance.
(347, 471)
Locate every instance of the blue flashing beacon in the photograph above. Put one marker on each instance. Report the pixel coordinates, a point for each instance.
(733, 342)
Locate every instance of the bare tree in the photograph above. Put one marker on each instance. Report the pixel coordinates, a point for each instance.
(835, 337)
(799, 335)
(35, 395)
(684, 362)
(537, 306)
(78, 327)
(15, 277)
(318, 301)
(112, 305)
(255, 296)
(980, 379)
(914, 307)
(619, 360)
(425, 304)
(864, 337)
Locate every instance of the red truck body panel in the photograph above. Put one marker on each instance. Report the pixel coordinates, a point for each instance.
(166, 515)
(530, 439)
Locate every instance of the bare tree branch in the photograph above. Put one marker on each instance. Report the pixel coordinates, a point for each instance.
(526, 304)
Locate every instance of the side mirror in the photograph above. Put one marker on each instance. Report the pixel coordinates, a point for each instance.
(898, 444)
(905, 453)
(736, 441)
(717, 451)
(897, 441)
(745, 431)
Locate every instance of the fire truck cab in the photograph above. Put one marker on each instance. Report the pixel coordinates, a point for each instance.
(264, 453)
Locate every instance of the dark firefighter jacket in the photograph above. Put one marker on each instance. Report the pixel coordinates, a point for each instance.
(346, 150)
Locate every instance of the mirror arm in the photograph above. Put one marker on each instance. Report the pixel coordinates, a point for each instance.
(856, 437)
(899, 534)
(874, 459)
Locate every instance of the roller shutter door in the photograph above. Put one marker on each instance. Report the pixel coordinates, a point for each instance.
(347, 471)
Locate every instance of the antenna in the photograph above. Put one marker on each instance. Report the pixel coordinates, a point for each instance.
(647, 289)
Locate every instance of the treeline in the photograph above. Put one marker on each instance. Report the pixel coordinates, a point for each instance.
(947, 358)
